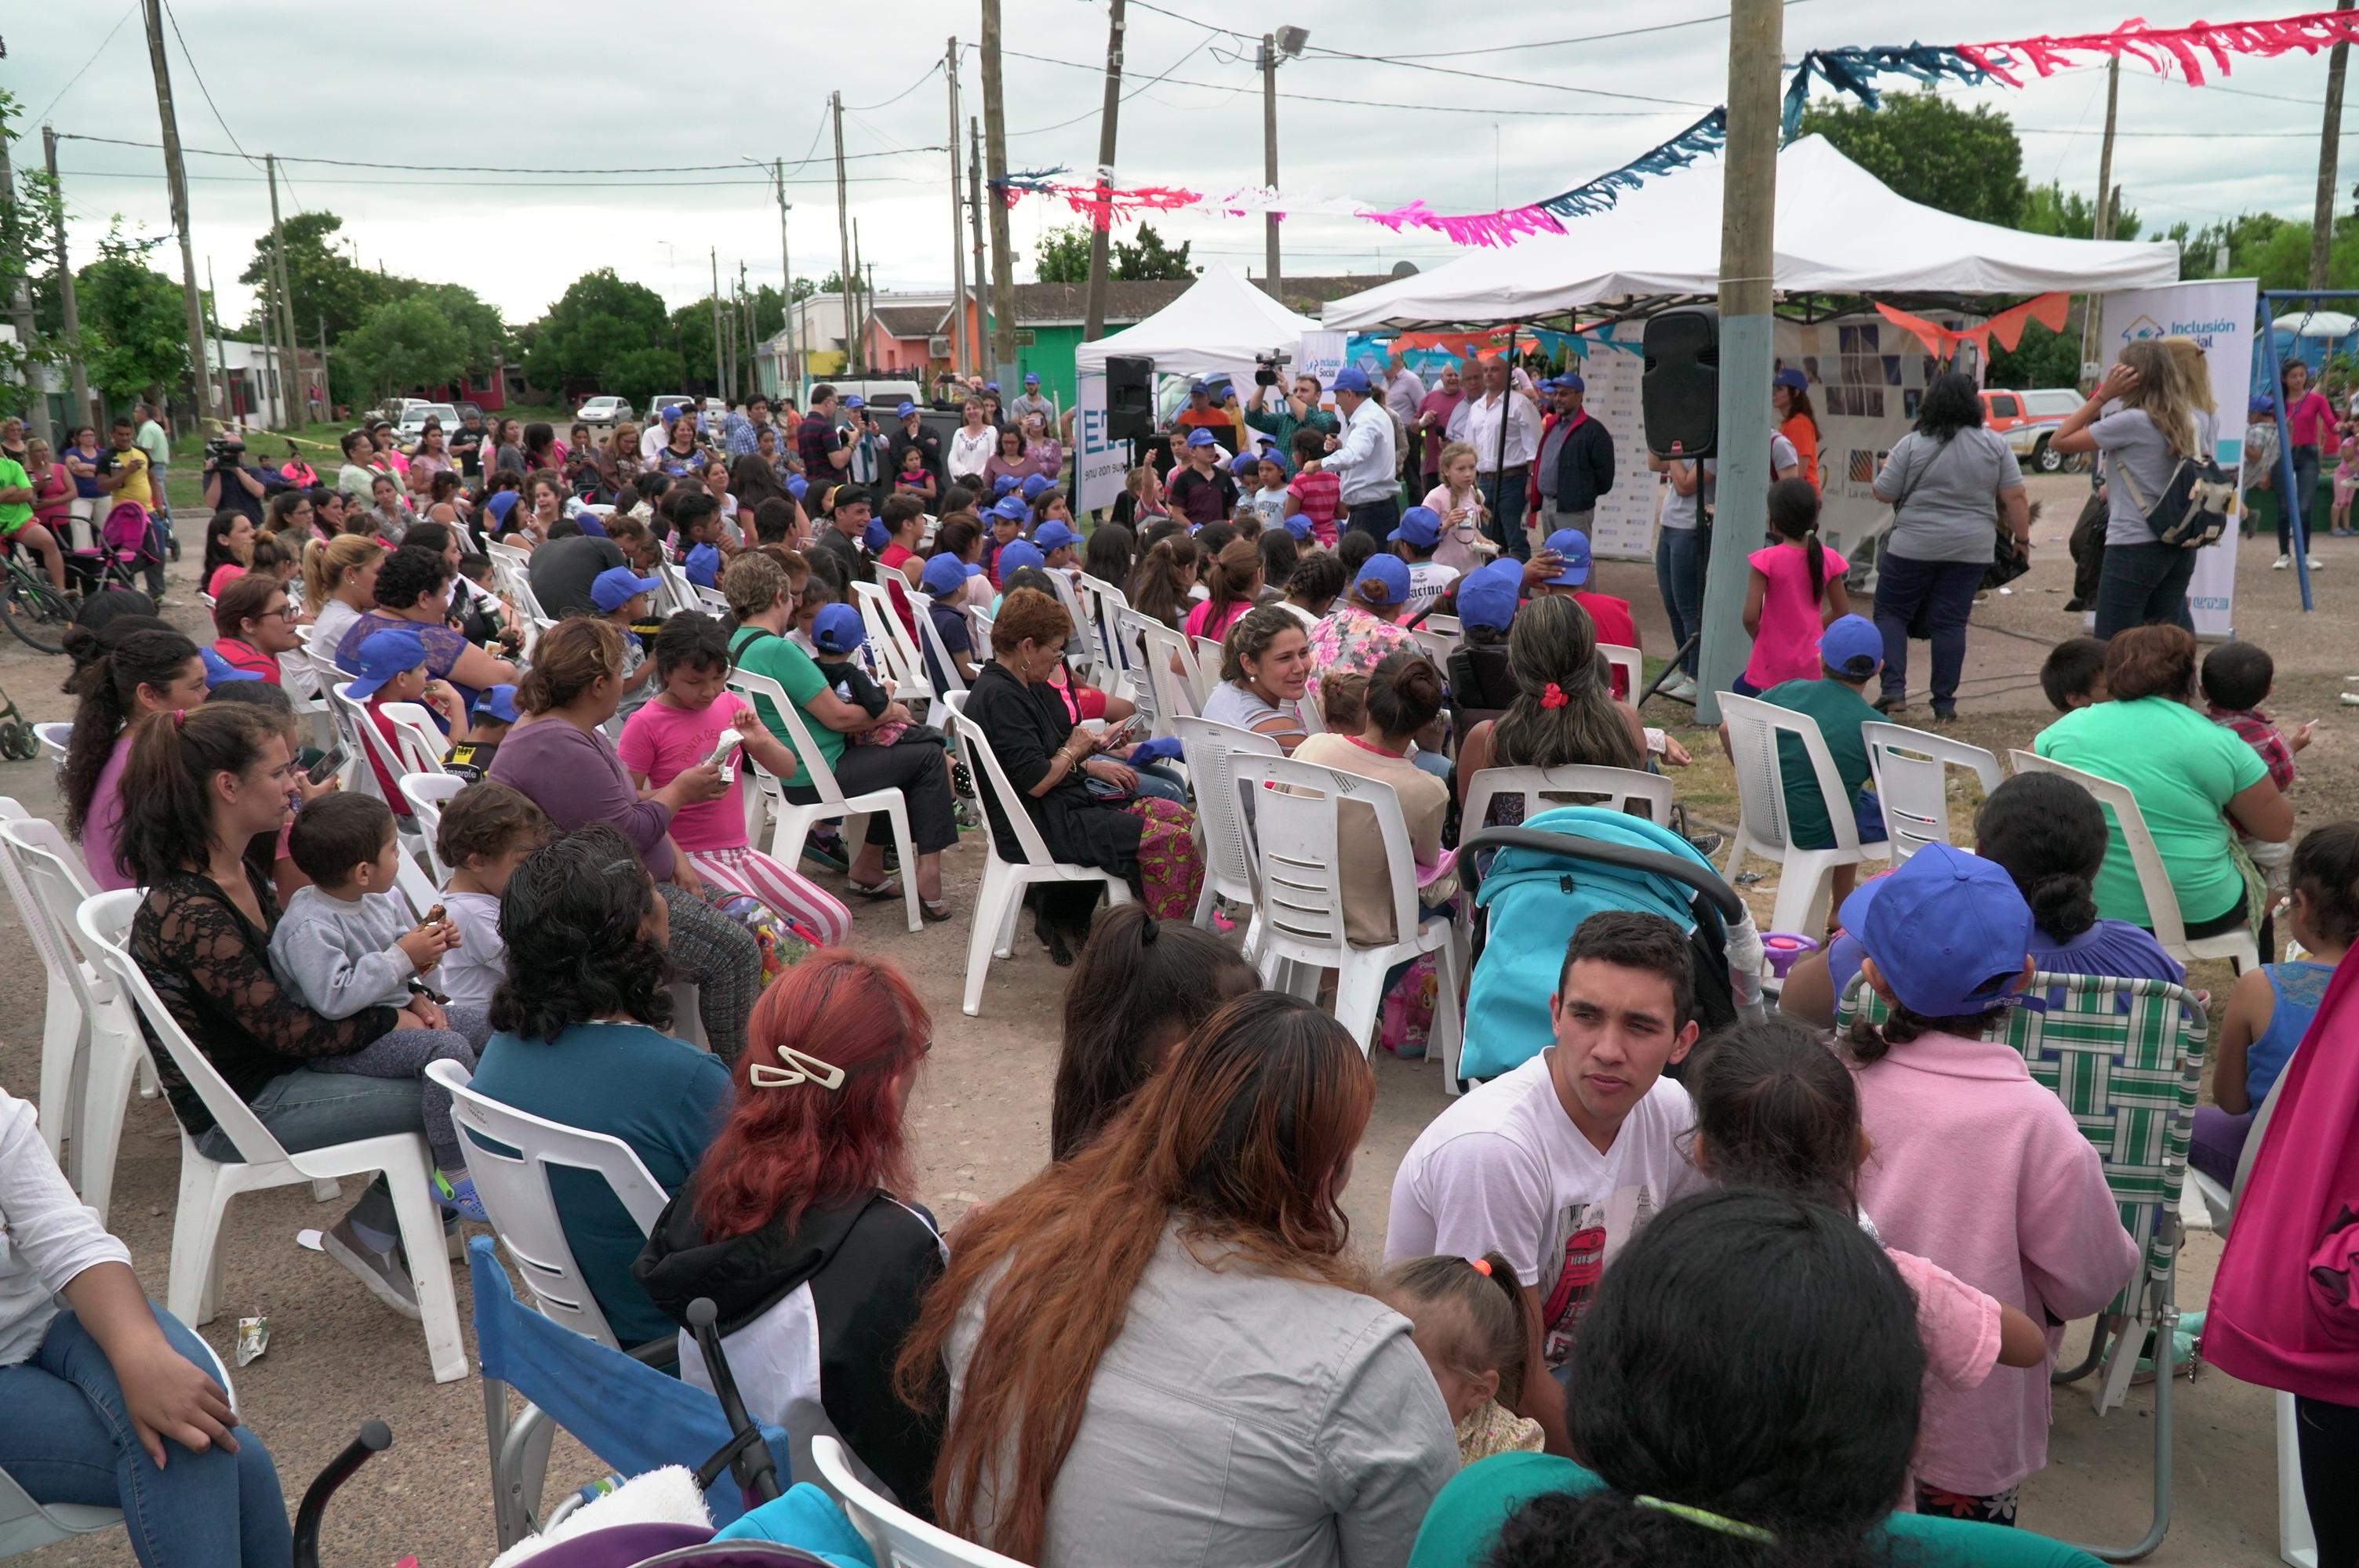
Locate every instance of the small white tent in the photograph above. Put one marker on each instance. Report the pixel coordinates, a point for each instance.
(1839, 230)
(1219, 325)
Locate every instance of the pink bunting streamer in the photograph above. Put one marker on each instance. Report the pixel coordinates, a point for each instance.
(1503, 227)
(2161, 47)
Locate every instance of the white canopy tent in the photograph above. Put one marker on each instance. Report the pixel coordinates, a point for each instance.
(1839, 230)
(1219, 325)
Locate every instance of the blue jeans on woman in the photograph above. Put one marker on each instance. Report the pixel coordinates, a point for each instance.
(1679, 576)
(307, 1109)
(2305, 489)
(67, 1439)
(2143, 585)
(1945, 591)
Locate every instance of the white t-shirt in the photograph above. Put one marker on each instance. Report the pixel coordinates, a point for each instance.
(471, 971)
(1426, 579)
(1505, 1169)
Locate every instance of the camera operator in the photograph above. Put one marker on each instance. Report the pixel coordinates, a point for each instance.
(1280, 416)
(865, 442)
(230, 483)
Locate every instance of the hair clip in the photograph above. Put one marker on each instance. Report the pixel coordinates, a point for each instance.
(1552, 696)
(796, 1067)
(1148, 930)
(179, 717)
(1480, 1265)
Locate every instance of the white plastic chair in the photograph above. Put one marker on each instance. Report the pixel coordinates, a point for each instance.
(921, 610)
(1174, 693)
(354, 726)
(2163, 917)
(899, 1538)
(207, 1184)
(1912, 770)
(54, 739)
(1437, 644)
(427, 795)
(1632, 666)
(1543, 788)
(83, 1091)
(894, 651)
(299, 679)
(1077, 607)
(1208, 747)
(423, 744)
(1001, 895)
(794, 820)
(1763, 823)
(65, 1025)
(1102, 599)
(1298, 832)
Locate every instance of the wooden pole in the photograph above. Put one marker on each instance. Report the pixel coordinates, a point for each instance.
(1093, 313)
(1003, 265)
(720, 384)
(2102, 228)
(1270, 261)
(982, 355)
(2321, 225)
(176, 176)
(843, 272)
(791, 385)
(960, 337)
(20, 311)
(75, 364)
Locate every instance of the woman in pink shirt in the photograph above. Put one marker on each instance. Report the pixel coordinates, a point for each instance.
(1975, 1167)
(135, 667)
(1796, 590)
(2310, 420)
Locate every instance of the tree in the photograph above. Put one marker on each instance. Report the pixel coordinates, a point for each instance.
(2050, 209)
(135, 326)
(2040, 358)
(27, 210)
(405, 344)
(478, 322)
(640, 372)
(1929, 150)
(323, 283)
(600, 323)
(805, 287)
(1063, 255)
(1149, 260)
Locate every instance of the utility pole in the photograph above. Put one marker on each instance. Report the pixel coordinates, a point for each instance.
(791, 383)
(2103, 225)
(2321, 224)
(1269, 164)
(293, 377)
(176, 175)
(843, 272)
(1747, 251)
(718, 384)
(1003, 268)
(20, 309)
(742, 342)
(982, 355)
(859, 292)
(327, 389)
(1093, 321)
(960, 338)
(75, 364)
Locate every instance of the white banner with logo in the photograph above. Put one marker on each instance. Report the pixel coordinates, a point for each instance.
(1624, 526)
(2218, 314)
(1099, 461)
(1320, 354)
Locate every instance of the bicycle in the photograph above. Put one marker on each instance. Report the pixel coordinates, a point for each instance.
(32, 609)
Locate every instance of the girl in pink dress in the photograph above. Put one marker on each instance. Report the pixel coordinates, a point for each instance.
(1796, 587)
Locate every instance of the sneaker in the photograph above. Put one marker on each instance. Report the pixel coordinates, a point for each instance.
(459, 1197)
(1681, 689)
(826, 853)
(964, 817)
(387, 1274)
(2315, 564)
(2281, 564)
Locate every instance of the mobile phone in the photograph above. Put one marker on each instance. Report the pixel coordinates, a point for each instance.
(1125, 732)
(328, 766)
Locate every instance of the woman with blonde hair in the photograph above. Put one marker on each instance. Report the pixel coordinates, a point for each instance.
(2145, 421)
(340, 585)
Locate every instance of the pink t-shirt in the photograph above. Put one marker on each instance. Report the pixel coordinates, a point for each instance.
(1204, 621)
(104, 821)
(224, 575)
(1958, 1322)
(2310, 421)
(1786, 646)
(663, 742)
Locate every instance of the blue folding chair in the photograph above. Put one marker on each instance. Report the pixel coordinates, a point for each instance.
(632, 1416)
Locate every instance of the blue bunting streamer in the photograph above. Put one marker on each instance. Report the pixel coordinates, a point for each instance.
(1031, 181)
(1854, 69)
(1706, 136)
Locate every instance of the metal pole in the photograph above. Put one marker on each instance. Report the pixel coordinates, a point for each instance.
(1093, 314)
(1003, 261)
(719, 387)
(2103, 227)
(75, 364)
(791, 385)
(1269, 164)
(20, 307)
(1747, 333)
(2296, 507)
(177, 178)
(961, 338)
(287, 305)
(2321, 225)
(843, 272)
(982, 355)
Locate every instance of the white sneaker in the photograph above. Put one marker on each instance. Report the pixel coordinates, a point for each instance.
(1682, 688)
(2316, 565)
(2281, 563)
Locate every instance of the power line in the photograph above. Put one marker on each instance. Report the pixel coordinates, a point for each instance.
(475, 169)
(130, 12)
(191, 60)
(1456, 54)
(1353, 103)
(762, 184)
(888, 103)
(1426, 64)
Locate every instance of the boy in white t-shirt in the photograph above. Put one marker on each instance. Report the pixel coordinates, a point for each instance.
(1416, 538)
(1558, 1163)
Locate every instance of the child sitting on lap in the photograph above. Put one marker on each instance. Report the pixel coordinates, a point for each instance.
(2237, 680)
(484, 830)
(345, 943)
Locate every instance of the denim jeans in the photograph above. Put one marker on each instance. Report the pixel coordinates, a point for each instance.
(308, 1109)
(1679, 575)
(2142, 585)
(1158, 782)
(1945, 591)
(67, 1439)
(2305, 489)
(1506, 520)
(1376, 519)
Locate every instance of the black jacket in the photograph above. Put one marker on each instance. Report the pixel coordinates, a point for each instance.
(1584, 466)
(857, 1271)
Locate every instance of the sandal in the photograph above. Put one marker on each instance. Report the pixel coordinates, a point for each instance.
(935, 909)
(888, 888)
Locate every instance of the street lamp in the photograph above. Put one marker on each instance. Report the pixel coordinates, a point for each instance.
(778, 173)
(1286, 43)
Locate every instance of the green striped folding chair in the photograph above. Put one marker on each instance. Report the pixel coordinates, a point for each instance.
(2126, 1058)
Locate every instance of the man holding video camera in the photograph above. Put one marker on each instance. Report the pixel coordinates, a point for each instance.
(1280, 416)
(231, 483)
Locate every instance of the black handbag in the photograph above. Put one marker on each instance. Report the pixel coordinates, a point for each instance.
(2007, 563)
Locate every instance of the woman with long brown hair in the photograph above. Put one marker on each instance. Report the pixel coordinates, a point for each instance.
(1199, 1243)
(2146, 422)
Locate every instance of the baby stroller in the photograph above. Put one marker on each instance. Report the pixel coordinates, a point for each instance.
(126, 547)
(1535, 884)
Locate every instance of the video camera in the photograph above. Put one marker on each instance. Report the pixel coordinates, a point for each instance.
(1266, 367)
(224, 448)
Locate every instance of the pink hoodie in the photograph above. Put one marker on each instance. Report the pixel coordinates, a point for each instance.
(1979, 1169)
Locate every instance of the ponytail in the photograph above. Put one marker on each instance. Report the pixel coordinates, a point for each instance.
(1794, 517)
(1230, 579)
(325, 562)
(113, 665)
(167, 823)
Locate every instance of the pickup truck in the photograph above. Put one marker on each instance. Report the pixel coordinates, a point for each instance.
(2027, 419)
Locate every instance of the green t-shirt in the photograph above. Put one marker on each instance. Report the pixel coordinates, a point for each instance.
(2183, 769)
(1839, 710)
(13, 514)
(1464, 1524)
(766, 654)
(151, 439)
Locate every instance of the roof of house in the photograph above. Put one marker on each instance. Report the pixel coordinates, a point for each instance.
(911, 321)
(1064, 303)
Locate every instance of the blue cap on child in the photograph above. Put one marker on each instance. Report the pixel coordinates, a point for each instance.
(1948, 931)
(837, 630)
(383, 655)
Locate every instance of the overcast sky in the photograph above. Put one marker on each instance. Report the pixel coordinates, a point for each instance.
(595, 84)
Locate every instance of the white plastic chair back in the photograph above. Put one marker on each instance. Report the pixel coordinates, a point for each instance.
(2164, 917)
(367, 741)
(1630, 664)
(423, 744)
(510, 1154)
(1314, 713)
(1763, 825)
(1103, 599)
(1158, 645)
(427, 795)
(1542, 789)
(1912, 770)
(921, 608)
(1077, 607)
(1438, 646)
(984, 762)
(65, 1034)
(899, 1538)
(1296, 808)
(56, 737)
(895, 652)
(1209, 748)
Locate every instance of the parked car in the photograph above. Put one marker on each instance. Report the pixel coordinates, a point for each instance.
(663, 400)
(2026, 420)
(410, 424)
(602, 413)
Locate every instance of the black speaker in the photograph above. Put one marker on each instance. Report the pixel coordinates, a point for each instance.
(1682, 390)
(1130, 398)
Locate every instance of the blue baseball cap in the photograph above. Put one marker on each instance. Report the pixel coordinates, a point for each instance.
(383, 655)
(797, 486)
(1031, 378)
(1196, 386)
(905, 409)
(617, 586)
(500, 505)
(1948, 932)
(1036, 485)
(1298, 526)
(1244, 462)
(1200, 436)
(837, 630)
(1004, 483)
(1852, 647)
(497, 702)
(945, 573)
(1053, 536)
(1018, 554)
(1419, 526)
(2263, 403)
(1012, 510)
(1384, 579)
(221, 672)
(1546, 384)
(991, 386)
(1792, 379)
(876, 535)
(855, 401)
(670, 413)
(1353, 379)
(1570, 382)
(1573, 545)
(1487, 596)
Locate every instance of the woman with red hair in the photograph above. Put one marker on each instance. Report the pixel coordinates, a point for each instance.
(799, 1226)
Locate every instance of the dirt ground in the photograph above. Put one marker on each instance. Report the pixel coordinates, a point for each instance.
(337, 1359)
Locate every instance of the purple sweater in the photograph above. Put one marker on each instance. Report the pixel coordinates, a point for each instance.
(577, 779)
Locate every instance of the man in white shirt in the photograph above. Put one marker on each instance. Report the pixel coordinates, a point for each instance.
(1559, 1162)
(1476, 422)
(1402, 395)
(1362, 459)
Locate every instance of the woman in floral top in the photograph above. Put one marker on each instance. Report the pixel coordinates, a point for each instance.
(1362, 630)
